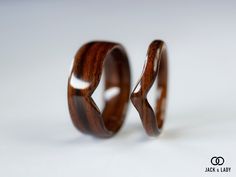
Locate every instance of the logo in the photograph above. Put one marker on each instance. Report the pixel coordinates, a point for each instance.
(217, 160)
(217, 163)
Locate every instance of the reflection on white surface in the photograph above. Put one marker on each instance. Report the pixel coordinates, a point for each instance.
(111, 92)
(78, 83)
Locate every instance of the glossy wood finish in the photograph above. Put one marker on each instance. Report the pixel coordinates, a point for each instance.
(91, 59)
(155, 68)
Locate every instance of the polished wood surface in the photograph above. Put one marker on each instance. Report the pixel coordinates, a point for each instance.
(155, 68)
(89, 63)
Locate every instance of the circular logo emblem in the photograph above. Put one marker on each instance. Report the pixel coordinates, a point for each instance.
(217, 160)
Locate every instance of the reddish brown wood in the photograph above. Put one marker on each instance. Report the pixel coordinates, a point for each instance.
(85, 75)
(155, 68)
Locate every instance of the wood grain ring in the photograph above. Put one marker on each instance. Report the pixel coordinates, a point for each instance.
(155, 68)
(85, 76)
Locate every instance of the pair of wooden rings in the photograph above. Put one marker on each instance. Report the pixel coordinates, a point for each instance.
(85, 76)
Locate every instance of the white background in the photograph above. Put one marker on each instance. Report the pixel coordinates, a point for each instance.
(38, 41)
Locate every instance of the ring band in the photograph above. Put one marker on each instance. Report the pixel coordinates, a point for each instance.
(84, 78)
(155, 68)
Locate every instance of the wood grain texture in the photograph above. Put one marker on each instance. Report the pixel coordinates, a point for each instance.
(89, 63)
(155, 68)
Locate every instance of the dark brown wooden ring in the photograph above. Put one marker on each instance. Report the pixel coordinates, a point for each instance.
(155, 68)
(85, 75)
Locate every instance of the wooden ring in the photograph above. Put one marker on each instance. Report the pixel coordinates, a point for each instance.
(84, 78)
(155, 68)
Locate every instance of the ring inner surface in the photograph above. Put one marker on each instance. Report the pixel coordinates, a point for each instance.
(161, 89)
(117, 88)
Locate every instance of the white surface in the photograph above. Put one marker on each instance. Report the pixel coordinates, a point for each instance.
(38, 41)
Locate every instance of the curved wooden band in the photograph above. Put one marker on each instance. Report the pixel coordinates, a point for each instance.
(155, 68)
(85, 75)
